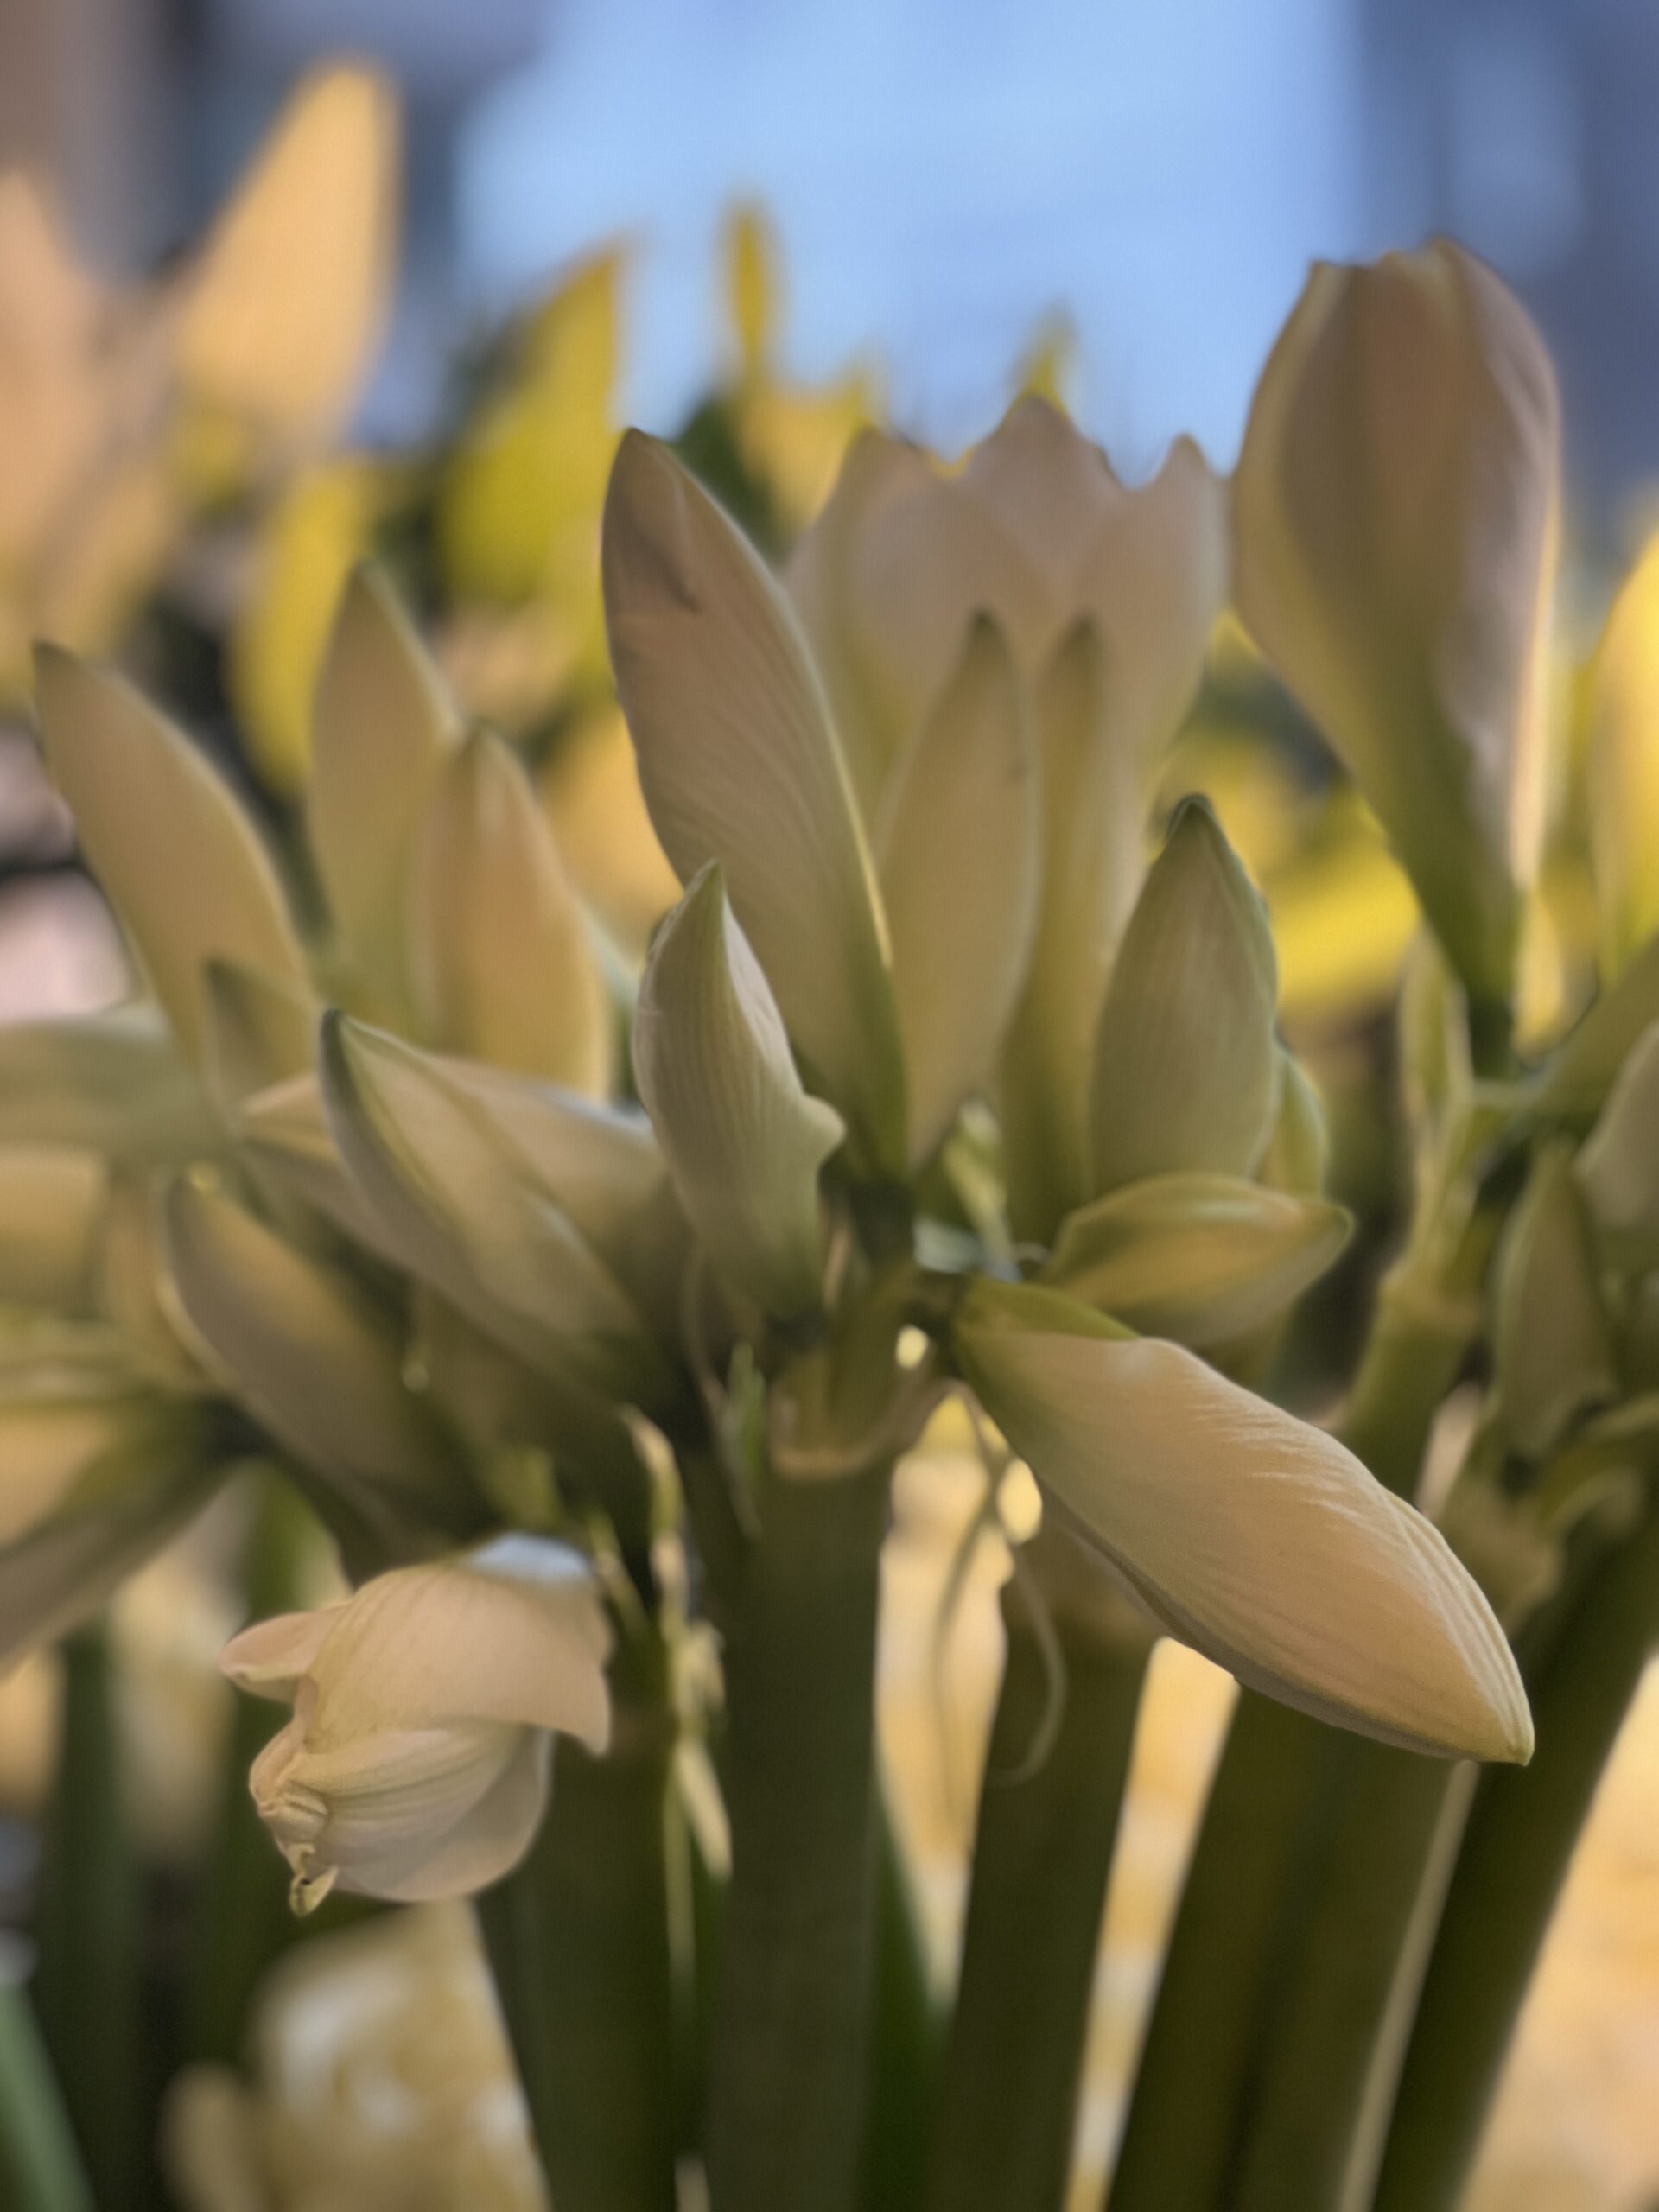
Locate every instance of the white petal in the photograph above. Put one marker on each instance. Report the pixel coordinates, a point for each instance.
(961, 861)
(503, 963)
(171, 848)
(743, 1141)
(271, 1657)
(1186, 1061)
(740, 766)
(1257, 1539)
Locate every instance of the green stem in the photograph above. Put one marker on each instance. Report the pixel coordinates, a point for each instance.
(40, 2167)
(1520, 1839)
(244, 1919)
(1042, 1854)
(904, 2037)
(86, 1986)
(578, 1942)
(788, 2065)
(1307, 1872)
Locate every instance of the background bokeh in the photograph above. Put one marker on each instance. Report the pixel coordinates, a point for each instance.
(1139, 188)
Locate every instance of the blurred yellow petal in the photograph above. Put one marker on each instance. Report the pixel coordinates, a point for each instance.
(1624, 767)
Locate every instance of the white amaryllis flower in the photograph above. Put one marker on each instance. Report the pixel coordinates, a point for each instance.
(415, 1765)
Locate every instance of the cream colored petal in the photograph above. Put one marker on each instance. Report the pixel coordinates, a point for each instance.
(1186, 1065)
(740, 764)
(1257, 1539)
(1091, 872)
(381, 729)
(312, 1358)
(743, 1140)
(514, 1633)
(47, 1445)
(270, 1658)
(113, 1082)
(170, 847)
(1395, 513)
(283, 308)
(1202, 1259)
(961, 859)
(1053, 489)
(502, 959)
(451, 1196)
(1155, 579)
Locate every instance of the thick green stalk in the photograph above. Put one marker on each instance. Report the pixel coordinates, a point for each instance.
(1516, 1852)
(789, 2066)
(904, 2037)
(578, 1943)
(244, 1920)
(1042, 1854)
(40, 2167)
(86, 1986)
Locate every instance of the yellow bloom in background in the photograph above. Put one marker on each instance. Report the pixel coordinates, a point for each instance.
(415, 1765)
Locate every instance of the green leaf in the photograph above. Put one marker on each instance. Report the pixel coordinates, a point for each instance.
(1186, 1065)
(741, 765)
(1202, 1259)
(170, 847)
(1258, 1540)
(743, 1141)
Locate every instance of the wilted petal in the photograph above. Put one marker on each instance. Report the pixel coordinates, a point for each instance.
(960, 863)
(740, 766)
(1091, 871)
(1204, 1259)
(743, 1140)
(1186, 1065)
(285, 303)
(381, 729)
(1394, 518)
(1257, 1539)
(171, 848)
(314, 1360)
(503, 962)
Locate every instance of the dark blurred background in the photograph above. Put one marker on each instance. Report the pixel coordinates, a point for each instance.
(942, 173)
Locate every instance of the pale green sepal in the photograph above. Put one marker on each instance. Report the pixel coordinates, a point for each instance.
(1298, 1146)
(1257, 1539)
(743, 1140)
(1186, 1065)
(1618, 1165)
(740, 764)
(1575, 1083)
(113, 1082)
(1202, 1259)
